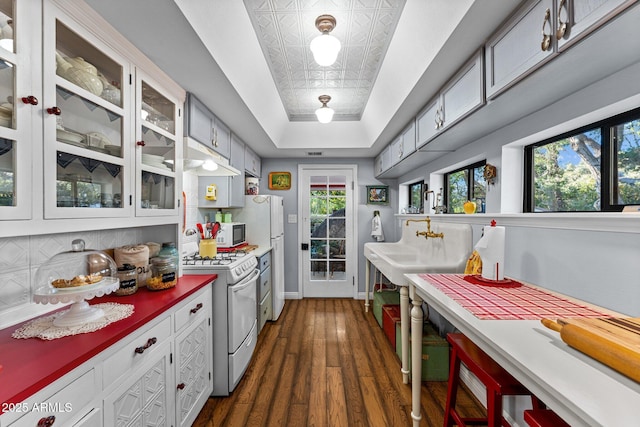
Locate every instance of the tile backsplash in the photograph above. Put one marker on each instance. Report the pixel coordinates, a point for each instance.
(21, 256)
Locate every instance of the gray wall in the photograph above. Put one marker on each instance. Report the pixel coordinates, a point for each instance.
(365, 212)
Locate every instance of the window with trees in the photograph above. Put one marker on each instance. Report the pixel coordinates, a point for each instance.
(591, 169)
(416, 200)
(464, 184)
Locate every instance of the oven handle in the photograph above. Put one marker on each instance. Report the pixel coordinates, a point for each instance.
(246, 281)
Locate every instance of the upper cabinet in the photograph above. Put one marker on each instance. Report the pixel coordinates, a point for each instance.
(158, 149)
(86, 107)
(537, 32)
(252, 162)
(236, 198)
(404, 144)
(206, 128)
(383, 161)
(461, 96)
(18, 109)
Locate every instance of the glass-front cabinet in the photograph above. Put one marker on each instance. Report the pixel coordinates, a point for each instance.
(86, 123)
(158, 149)
(17, 109)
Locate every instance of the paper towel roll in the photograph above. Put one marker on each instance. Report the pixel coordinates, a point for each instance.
(491, 250)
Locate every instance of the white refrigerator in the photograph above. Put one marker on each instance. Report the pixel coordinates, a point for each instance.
(264, 217)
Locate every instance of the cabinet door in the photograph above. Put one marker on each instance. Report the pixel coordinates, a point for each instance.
(428, 123)
(397, 150)
(199, 121)
(465, 93)
(579, 18)
(252, 164)
(221, 138)
(409, 139)
(158, 149)
(19, 110)
(383, 161)
(194, 381)
(86, 113)
(516, 50)
(143, 397)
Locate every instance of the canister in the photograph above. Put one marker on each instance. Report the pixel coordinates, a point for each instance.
(163, 273)
(169, 249)
(226, 217)
(208, 248)
(128, 276)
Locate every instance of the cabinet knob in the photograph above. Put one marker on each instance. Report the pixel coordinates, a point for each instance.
(54, 110)
(546, 38)
(562, 25)
(140, 143)
(47, 421)
(180, 386)
(196, 308)
(30, 100)
(150, 342)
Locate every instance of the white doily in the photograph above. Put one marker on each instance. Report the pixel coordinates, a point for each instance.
(43, 327)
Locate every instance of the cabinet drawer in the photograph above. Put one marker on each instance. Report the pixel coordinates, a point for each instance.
(265, 311)
(136, 351)
(65, 405)
(195, 309)
(264, 283)
(264, 261)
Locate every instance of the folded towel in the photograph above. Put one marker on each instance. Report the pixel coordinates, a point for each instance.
(376, 229)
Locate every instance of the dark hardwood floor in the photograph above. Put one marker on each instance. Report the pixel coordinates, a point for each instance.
(325, 362)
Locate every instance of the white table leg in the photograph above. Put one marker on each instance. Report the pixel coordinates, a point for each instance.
(366, 285)
(404, 332)
(416, 358)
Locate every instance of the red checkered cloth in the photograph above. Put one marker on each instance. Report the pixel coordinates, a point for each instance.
(508, 303)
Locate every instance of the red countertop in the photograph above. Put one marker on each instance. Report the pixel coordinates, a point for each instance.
(29, 365)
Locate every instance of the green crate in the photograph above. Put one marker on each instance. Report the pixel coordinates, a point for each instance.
(383, 298)
(435, 354)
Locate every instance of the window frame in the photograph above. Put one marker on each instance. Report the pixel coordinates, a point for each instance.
(422, 190)
(470, 183)
(608, 162)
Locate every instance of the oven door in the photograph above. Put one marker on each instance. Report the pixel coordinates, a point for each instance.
(242, 305)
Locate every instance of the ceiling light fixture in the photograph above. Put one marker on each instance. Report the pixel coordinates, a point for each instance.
(324, 113)
(325, 47)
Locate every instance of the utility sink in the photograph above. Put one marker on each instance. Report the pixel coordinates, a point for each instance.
(417, 254)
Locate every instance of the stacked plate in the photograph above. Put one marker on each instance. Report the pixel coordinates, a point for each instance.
(155, 161)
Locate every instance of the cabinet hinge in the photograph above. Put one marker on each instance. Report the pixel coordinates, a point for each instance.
(130, 80)
(209, 375)
(209, 321)
(353, 280)
(130, 199)
(178, 202)
(170, 358)
(352, 185)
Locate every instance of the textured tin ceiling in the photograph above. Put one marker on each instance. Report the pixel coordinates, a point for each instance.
(285, 29)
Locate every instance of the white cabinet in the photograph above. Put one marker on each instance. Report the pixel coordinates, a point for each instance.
(252, 162)
(86, 111)
(404, 144)
(236, 197)
(206, 128)
(158, 149)
(193, 360)
(461, 96)
(383, 161)
(577, 18)
(19, 100)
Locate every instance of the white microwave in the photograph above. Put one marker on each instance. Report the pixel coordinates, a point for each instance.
(231, 234)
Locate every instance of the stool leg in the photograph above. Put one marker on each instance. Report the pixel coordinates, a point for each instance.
(452, 388)
(494, 409)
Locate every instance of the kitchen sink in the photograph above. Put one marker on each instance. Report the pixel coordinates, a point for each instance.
(417, 254)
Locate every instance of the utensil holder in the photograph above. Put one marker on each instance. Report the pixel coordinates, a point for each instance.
(208, 248)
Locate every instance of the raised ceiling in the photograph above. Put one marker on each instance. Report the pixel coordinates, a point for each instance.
(285, 29)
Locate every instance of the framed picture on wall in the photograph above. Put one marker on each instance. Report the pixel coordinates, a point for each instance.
(279, 180)
(377, 194)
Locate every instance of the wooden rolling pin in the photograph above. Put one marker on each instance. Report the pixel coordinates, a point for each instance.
(614, 352)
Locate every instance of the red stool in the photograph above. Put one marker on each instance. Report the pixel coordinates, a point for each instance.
(497, 381)
(543, 418)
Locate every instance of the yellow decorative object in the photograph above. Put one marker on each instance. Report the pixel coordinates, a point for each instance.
(474, 264)
(469, 207)
(212, 192)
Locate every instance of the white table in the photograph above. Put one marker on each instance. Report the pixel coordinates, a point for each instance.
(581, 390)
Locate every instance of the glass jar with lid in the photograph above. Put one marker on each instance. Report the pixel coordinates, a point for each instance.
(163, 273)
(128, 276)
(169, 249)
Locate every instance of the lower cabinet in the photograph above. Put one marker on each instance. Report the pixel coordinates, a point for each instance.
(159, 375)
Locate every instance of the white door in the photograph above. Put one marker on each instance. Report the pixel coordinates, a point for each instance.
(327, 256)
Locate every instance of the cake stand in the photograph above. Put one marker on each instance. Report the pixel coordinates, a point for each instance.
(80, 311)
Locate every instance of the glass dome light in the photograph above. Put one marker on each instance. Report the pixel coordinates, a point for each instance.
(324, 113)
(325, 47)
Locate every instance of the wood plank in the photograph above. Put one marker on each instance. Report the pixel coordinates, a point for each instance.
(318, 392)
(336, 401)
(280, 408)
